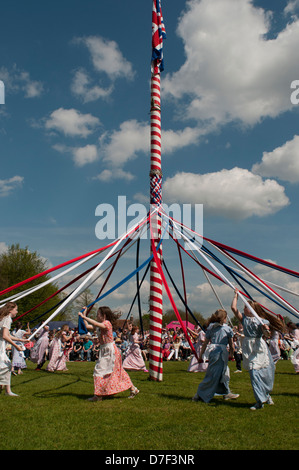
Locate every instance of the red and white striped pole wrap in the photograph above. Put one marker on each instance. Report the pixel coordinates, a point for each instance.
(156, 299)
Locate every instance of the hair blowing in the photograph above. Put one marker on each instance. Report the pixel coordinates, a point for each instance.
(109, 315)
(6, 309)
(275, 322)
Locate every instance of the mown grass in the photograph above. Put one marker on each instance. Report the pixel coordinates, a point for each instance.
(52, 413)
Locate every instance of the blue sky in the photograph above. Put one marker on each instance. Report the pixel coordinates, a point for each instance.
(74, 129)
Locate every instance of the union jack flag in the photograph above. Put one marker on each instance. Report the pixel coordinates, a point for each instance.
(158, 34)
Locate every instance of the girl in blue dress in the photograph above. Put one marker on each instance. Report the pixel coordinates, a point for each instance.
(257, 358)
(217, 376)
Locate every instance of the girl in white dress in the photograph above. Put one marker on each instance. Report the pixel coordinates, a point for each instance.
(194, 365)
(7, 313)
(18, 357)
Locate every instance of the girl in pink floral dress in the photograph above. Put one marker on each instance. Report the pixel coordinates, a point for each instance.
(134, 359)
(56, 352)
(109, 376)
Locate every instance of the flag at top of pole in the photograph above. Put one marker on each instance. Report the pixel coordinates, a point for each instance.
(158, 34)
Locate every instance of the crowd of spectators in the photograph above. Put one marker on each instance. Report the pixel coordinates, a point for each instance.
(175, 346)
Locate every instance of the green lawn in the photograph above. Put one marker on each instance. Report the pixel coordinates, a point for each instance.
(52, 413)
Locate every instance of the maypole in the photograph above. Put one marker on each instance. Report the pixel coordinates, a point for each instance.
(156, 300)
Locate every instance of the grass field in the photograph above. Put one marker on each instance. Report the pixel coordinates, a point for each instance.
(51, 413)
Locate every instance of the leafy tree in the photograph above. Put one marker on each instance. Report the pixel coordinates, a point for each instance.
(18, 264)
(84, 299)
(170, 316)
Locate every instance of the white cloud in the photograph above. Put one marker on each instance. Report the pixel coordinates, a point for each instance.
(134, 137)
(235, 193)
(125, 143)
(81, 155)
(72, 123)
(291, 7)
(32, 88)
(175, 140)
(9, 185)
(3, 247)
(106, 176)
(202, 298)
(107, 57)
(232, 72)
(17, 80)
(141, 198)
(281, 163)
(84, 155)
(81, 86)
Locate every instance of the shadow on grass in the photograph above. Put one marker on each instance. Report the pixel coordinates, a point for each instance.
(217, 401)
(55, 391)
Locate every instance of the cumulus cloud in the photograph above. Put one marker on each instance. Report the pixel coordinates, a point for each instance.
(133, 137)
(124, 144)
(106, 176)
(175, 140)
(17, 80)
(202, 298)
(81, 155)
(281, 163)
(72, 123)
(108, 61)
(291, 7)
(82, 87)
(235, 193)
(232, 72)
(107, 57)
(84, 155)
(10, 185)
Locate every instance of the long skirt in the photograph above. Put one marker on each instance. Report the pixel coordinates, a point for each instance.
(134, 359)
(57, 358)
(37, 353)
(295, 360)
(5, 369)
(18, 358)
(196, 366)
(258, 360)
(109, 375)
(274, 350)
(217, 375)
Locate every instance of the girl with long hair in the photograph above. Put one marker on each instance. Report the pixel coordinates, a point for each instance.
(7, 313)
(56, 351)
(256, 355)
(134, 359)
(109, 375)
(217, 376)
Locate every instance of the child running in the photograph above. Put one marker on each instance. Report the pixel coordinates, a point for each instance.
(256, 355)
(109, 375)
(217, 376)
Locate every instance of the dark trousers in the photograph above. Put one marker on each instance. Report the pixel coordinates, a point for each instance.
(238, 359)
